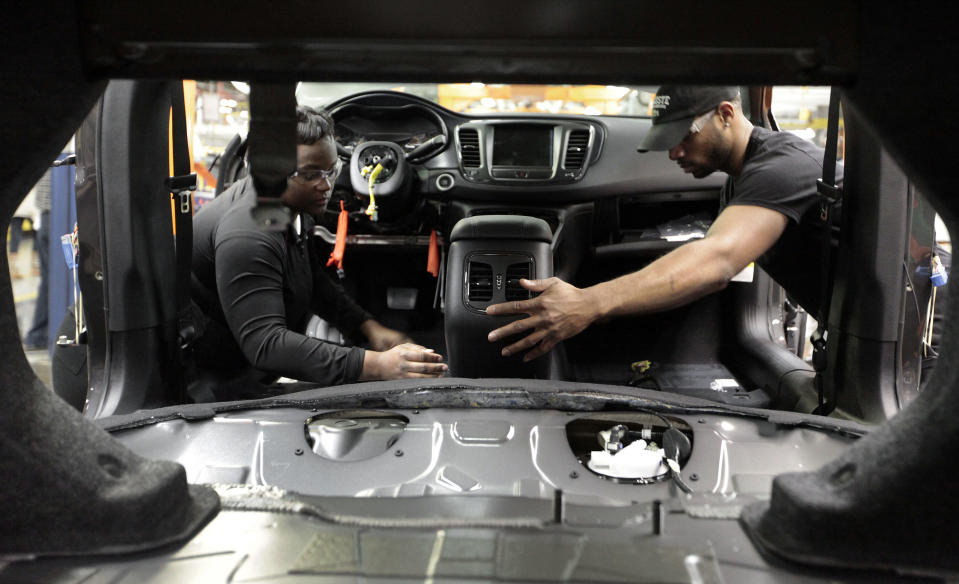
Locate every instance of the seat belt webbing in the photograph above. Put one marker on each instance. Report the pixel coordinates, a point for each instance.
(181, 186)
(272, 150)
(830, 195)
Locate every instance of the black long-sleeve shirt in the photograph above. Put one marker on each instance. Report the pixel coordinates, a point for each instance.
(263, 286)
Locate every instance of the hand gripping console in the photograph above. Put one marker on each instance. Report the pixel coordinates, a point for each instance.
(488, 255)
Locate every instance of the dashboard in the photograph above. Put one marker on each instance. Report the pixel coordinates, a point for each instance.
(603, 200)
(504, 158)
(409, 125)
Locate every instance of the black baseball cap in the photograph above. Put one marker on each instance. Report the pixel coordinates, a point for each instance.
(675, 108)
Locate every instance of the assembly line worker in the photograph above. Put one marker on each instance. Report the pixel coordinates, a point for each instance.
(770, 214)
(258, 288)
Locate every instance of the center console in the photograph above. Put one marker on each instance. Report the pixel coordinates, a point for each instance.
(541, 152)
(488, 255)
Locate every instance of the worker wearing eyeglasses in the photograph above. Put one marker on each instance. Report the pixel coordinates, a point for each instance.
(257, 290)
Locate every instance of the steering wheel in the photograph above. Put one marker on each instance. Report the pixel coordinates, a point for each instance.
(391, 182)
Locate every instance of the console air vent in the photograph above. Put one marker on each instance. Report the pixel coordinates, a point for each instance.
(479, 283)
(470, 148)
(514, 291)
(576, 149)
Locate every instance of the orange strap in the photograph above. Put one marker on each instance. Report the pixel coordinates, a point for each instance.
(336, 256)
(433, 258)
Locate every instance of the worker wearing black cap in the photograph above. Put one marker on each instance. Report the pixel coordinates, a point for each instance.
(770, 215)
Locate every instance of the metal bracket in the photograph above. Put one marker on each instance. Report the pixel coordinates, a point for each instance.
(181, 187)
(831, 193)
(180, 184)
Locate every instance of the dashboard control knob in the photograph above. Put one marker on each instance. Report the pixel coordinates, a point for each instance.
(445, 181)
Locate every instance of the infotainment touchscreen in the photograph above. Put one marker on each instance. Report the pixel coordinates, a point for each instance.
(527, 145)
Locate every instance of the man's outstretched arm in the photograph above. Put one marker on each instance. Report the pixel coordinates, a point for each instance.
(740, 234)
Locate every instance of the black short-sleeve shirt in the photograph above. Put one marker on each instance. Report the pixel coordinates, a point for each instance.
(779, 172)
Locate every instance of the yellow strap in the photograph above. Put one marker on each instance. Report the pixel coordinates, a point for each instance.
(371, 210)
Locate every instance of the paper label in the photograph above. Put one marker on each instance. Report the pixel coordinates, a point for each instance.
(746, 275)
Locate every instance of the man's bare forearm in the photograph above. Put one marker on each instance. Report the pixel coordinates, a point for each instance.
(685, 274)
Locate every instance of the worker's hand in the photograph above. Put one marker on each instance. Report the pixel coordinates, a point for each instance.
(382, 338)
(402, 361)
(559, 312)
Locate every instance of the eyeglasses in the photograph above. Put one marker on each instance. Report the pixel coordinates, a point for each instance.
(312, 176)
(700, 122)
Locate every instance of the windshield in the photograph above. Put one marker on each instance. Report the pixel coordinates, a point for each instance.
(485, 98)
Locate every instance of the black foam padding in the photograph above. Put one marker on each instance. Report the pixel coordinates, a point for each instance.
(887, 502)
(68, 487)
(502, 227)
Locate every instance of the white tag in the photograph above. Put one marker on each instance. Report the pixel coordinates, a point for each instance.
(673, 465)
(746, 275)
(723, 384)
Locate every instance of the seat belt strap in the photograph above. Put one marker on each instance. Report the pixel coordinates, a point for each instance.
(830, 194)
(272, 150)
(181, 186)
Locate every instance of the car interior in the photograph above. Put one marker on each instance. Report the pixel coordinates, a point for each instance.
(502, 470)
(498, 197)
(604, 208)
